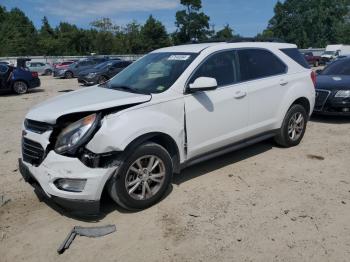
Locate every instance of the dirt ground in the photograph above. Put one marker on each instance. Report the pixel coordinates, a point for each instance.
(262, 203)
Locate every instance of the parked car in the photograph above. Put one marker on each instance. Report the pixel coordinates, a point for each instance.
(174, 107)
(102, 72)
(17, 80)
(312, 59)
(333, 51)
(75, 68)
(40, 67)
(333, 89)
(61, 66)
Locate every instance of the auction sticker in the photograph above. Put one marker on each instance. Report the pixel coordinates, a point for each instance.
(179, 57)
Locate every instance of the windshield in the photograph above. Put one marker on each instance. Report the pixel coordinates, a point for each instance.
(339, 67)
(103, 65)
(154, 73)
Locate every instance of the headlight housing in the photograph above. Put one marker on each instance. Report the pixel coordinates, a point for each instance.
(343, 93)
(91, 75)
(76, 134)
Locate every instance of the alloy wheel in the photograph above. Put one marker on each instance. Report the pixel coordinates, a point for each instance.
(296, 126)
(145, 177)
(20, 87)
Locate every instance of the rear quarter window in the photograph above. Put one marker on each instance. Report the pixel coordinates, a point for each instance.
(296, 56)
(259, 63)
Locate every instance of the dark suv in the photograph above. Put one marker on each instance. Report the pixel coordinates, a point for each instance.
(102, 72)
(74, 69)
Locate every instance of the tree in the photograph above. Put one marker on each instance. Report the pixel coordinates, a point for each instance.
(154, 35)
(308, 23)
(224, 34)
(191, 23)
(18, 34)
(47, 41)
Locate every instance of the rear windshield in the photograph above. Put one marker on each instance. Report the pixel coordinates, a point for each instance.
(296, 56)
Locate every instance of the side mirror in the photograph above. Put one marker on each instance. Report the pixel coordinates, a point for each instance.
(203, 84)
(319, 71)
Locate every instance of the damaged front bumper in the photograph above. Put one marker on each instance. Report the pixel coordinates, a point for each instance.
(56, 167)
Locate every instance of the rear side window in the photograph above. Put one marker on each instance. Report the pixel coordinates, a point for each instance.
(221, 66)
(296, 56)
(259, 63)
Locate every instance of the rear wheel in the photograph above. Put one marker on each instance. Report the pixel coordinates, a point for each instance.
(293, 127)
(48, 72)
(20, 87)
(143, 178)
(68, 75)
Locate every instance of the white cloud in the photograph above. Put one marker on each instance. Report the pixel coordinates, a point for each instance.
(76, 9)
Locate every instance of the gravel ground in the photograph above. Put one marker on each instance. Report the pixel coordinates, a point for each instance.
(262, 203)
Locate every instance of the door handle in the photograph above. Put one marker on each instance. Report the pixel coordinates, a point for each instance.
(283, 82)
(240, 94)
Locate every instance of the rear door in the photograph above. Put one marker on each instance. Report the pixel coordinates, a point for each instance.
(215, 119)
(265, 78)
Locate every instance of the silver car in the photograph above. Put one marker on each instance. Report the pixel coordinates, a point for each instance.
(40, 67)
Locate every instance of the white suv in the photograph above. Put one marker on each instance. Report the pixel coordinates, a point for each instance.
(174, 107)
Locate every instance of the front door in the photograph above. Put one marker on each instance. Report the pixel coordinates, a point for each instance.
(217, 118)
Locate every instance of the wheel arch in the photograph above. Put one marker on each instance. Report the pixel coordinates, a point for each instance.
(162, 139)
(303, 101)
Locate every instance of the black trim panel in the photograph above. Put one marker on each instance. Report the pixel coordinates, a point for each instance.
(229, 148)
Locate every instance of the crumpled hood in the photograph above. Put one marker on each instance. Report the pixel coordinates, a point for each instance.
(333, 82)
(92, 98)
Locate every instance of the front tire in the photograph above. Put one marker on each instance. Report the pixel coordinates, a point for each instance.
(143, 178)
(293, 127)
(68, 75)
(20, 87)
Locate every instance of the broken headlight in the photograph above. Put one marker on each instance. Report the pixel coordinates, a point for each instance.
(76, 134)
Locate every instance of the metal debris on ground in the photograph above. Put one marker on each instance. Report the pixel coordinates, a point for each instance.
(87, 232)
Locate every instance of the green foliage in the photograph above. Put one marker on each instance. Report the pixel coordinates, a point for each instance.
(308, 23)
(225, 34)
(191, 23)
(154, 35)
(18, 35)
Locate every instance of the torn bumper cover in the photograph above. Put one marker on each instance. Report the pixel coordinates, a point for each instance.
(55, 168)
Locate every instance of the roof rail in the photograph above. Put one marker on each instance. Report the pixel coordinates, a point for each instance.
(256, 39)
(239, 40)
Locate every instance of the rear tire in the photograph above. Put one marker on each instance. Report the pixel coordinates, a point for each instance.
(20, 87)
(143, 178)
(48, 72)
(68, 75)
(293, 127)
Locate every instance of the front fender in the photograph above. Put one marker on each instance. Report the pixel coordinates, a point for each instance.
(119, 130)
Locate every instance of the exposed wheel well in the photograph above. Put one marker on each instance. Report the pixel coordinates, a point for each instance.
(303, 102)
(162, 139)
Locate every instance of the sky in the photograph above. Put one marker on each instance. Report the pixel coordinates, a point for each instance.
(246, 17)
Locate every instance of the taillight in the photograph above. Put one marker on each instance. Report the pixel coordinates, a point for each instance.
(313, 77)
(35, 74)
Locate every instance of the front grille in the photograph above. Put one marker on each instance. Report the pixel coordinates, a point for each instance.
(32, 152)
(321, 99)
(36, 126)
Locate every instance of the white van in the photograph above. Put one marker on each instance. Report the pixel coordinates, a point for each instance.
(333, 51)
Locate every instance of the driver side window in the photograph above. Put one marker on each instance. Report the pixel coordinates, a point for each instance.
(222, 66)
